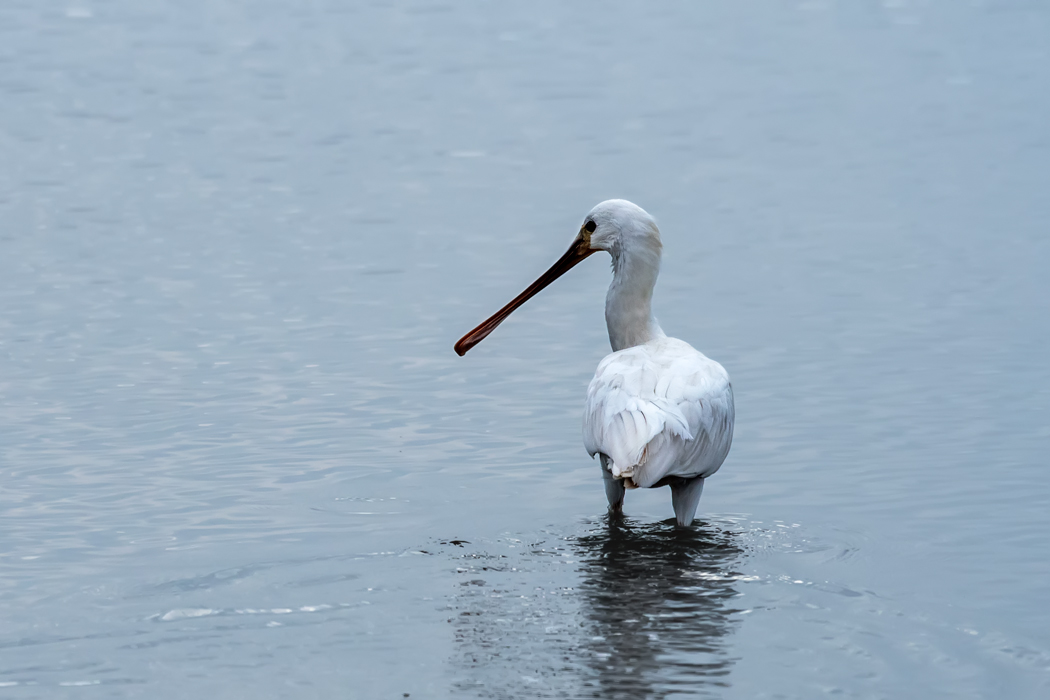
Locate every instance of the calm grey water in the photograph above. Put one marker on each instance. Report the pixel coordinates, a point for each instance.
(239, 459)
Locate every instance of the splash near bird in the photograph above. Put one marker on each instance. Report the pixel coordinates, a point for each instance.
(658, 413)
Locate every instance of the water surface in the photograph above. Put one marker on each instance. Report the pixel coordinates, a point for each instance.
(238, 457)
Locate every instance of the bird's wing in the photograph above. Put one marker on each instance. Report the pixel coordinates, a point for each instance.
(660, 409)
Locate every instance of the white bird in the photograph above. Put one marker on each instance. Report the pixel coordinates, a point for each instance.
(658, 413)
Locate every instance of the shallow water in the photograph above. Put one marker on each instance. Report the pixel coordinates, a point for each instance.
(239, 458)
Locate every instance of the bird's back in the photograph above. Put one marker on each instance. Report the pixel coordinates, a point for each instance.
(659, 409)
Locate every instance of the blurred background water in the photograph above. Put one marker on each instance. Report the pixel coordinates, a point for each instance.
(239, 458)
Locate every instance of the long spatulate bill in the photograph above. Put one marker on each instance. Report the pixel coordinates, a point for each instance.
(578, 251)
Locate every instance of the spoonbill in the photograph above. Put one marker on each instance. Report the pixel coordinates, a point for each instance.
(658, 412)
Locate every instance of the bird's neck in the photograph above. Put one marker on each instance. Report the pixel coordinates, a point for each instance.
(628, 305)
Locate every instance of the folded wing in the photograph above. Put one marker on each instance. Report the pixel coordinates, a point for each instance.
(657, 410)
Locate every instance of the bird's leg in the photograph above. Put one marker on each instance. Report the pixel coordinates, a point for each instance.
(614, 488)
(685, 497)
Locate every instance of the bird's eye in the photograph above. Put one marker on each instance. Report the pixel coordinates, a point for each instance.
(590, 226)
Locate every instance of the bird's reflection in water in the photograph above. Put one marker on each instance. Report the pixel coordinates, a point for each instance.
(625, 610)
(657, 599)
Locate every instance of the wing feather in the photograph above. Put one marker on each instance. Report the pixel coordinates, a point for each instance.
(659, 409)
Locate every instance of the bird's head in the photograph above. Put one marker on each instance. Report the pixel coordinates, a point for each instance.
(615, 226)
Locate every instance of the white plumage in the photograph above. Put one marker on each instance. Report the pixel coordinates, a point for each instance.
(658, 411)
